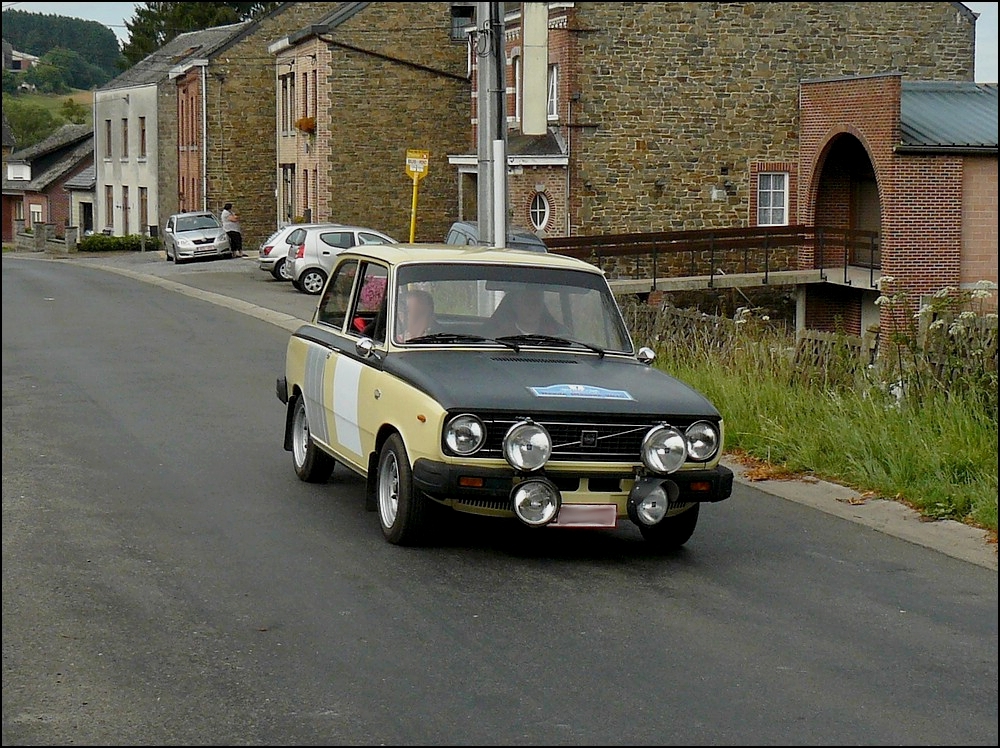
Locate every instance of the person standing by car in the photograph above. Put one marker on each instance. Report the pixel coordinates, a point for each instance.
(231, 225)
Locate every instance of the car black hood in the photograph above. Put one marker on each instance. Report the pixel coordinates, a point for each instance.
(542, 380)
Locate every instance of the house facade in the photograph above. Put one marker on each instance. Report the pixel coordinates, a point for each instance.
(687, 116)
(224, 118)
(354, 93)
(136, 150)
(35, 178)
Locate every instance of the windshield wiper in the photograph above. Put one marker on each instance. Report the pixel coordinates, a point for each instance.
(539, 339)
(460, 337)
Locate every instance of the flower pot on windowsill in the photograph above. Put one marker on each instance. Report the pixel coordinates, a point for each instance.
(306, 125)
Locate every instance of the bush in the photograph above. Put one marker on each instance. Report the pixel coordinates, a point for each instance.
(130, 243)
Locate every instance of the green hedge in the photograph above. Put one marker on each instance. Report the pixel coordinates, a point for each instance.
(130, 243)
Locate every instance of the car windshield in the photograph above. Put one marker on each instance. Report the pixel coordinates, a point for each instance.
(470, 303)
(197, 223)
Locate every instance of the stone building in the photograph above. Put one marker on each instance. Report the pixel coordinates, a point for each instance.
(686, 116)
(356, 91)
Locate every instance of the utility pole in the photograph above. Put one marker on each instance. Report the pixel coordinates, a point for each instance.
(491, 114)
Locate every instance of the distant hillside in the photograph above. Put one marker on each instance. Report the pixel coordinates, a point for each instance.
(97, 57)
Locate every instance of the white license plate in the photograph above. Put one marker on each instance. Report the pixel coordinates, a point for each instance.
(586, 515)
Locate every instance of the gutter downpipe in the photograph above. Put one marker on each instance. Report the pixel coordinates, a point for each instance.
(204, 138)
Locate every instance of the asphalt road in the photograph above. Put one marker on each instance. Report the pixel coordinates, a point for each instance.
(168, 580)
(239, 284)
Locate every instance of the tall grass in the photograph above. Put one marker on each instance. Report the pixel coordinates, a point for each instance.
(906, 436)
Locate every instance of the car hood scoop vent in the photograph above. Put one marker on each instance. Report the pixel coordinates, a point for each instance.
(532, 360)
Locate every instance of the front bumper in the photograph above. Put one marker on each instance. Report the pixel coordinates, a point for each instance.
(489, 485)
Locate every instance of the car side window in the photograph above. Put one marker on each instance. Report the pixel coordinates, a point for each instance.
(338, 239)
(365, 237)
(369, 316)
(336, 299)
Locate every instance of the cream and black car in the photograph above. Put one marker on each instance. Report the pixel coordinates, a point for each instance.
(497, 382)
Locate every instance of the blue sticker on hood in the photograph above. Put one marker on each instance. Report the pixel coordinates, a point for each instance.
(580, 390)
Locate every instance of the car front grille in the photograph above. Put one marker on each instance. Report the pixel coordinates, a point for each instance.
(585, 440)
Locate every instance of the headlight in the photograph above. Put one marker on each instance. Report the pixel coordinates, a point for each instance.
(527, 446)
(222, 238)
(702, 440)
(664, 449)
(536, 501)
(184, 242)
(464, 434)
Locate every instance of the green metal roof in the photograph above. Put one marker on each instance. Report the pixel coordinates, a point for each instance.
(948, 117)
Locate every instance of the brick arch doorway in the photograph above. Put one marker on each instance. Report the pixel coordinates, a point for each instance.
(847, 197)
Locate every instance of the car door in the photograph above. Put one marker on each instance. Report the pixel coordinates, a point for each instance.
(342, 379)
(331, 243)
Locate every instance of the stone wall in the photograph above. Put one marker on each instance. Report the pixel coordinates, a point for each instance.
(241, 111)
(674, 98)
(397, 82)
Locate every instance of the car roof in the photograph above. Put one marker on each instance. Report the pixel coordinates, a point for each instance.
(399, 254)
(340, 226)
(194, 213)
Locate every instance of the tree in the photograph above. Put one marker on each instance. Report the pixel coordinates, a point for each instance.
(73, 111)
(29, 123)
(38, 34)
(46, 78)
(155, 24)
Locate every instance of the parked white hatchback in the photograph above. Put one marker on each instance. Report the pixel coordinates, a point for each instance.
(273, 252)
(312, 251)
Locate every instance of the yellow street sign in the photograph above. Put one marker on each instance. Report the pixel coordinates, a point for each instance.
(417, 163)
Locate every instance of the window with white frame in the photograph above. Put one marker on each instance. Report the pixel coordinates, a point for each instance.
(539, 211)
(772, 199)
(35, 211)
(552, 106)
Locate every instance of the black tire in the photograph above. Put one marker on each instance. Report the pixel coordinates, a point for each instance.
(311, 281)
(312, 464)
(671, 533)
(402, 511)
(279, 271)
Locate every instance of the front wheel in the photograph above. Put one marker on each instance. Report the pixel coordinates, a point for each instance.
(312, 280)
(312, 464)
(402, 510)
(671, 533)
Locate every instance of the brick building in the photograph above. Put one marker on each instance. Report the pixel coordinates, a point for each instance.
(355, 92)
(35, 178)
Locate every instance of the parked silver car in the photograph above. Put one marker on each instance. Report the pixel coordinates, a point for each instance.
(311, 252)
(195, 235)
(273, 252)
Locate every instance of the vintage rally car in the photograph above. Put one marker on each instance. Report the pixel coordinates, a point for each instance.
(498, 382)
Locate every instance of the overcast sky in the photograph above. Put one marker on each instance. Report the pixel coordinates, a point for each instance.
(114, 15)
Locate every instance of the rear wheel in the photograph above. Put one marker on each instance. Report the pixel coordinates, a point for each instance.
(312, 464)
(671, 533)
(280, 272)
(311, 281)
(402, 510)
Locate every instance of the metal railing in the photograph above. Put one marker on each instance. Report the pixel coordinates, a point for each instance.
(708, 252)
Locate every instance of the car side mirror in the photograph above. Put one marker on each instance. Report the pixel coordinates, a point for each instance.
(365, 347)
(168, 230)
(645, 355)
